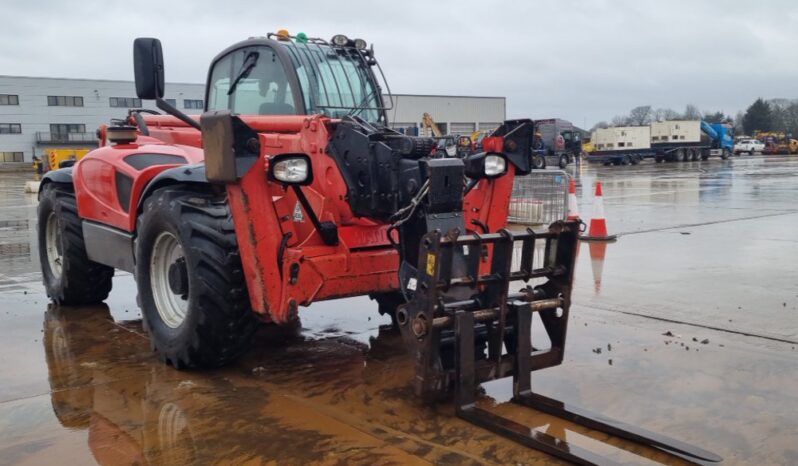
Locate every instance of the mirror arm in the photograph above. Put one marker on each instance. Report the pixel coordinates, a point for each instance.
(168, 108)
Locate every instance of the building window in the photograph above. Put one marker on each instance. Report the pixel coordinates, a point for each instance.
(9, 99)
(64, 101)
(6, 157)
(125, 102)
(10, 128)
(193, 103)
(172, 102)
(66, 128)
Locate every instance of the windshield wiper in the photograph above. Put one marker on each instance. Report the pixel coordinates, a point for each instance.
(362, 105)
(246, 68)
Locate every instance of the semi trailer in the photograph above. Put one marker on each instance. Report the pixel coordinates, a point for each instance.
(668, 141)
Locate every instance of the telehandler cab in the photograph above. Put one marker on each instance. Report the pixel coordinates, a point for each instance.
(291, 189)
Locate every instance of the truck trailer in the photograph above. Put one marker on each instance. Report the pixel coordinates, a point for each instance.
(668, 141)
(622, 144)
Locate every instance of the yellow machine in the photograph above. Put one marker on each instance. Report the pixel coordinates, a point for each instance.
(777, 142)
(428, 126)
(53, 159)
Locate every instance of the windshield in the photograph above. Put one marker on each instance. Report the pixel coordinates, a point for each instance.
(335, 81)
(251, 81)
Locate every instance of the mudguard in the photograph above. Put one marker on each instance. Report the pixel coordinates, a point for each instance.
(62, 175)
(184, 174)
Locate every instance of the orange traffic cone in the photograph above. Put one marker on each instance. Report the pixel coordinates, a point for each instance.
(573, 205)
(598, 224)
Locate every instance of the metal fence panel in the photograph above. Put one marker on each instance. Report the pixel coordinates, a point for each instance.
(539, 198)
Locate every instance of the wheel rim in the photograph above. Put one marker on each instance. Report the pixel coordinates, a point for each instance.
(172, 307)
(53, 246)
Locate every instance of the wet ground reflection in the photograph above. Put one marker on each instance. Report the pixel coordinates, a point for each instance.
(81, 386)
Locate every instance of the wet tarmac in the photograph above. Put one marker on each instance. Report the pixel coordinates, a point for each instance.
(687, 325)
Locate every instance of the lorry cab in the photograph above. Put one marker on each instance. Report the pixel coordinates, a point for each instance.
(573, 142)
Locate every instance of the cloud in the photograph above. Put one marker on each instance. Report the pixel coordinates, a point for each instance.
(581, 60)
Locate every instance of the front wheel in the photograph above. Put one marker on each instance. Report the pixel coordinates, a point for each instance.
(70, 277)
(538, 162)
(725, 154)
(191, 284)
(563, 162)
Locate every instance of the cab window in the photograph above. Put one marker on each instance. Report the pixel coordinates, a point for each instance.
(258, 81)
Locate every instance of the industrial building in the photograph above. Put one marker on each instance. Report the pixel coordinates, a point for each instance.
(40, 113)
(461, 115)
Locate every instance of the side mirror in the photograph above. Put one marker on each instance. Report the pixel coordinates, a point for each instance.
(148, 68)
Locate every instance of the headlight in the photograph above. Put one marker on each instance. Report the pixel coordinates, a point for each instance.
(360, 44)
(340, 40)
(495, 165)
(291, 169)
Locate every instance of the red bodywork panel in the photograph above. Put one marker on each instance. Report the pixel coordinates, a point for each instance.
(264, 212)
(96, 176)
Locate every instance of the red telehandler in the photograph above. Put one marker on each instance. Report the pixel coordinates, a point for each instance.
(290, 189)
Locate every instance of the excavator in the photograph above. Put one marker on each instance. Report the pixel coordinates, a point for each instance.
(291, 188)
(777, 142)
(429, 127)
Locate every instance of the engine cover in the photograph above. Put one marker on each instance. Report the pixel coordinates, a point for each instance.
(381, 167)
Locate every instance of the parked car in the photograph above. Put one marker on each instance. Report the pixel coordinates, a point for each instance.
(748, 146)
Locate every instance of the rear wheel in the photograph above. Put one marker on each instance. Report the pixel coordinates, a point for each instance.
(636, 159)
(725, 154)
(538, 162)
(70, 278)
(191, 284)
(658, 159)
(626, 160)
(694, 155)
(563, 162)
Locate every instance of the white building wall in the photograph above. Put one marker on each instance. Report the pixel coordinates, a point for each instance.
(451, 112)
(35, 115)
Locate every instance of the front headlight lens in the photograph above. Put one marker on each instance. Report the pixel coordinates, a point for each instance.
(495, 165)
(292, 170)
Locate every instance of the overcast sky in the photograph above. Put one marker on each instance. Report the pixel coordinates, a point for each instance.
(581, 60)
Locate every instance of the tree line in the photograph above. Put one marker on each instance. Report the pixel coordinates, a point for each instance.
(646, 114)
(762, 115)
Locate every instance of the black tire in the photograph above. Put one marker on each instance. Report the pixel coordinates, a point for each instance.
(626, 160)
(538, 162)
(218, 323)
(705, 154)
(694, 155)
(563, 162)
(80, 281)
(725, 154)
(659, 159)
(751, 152)
(636, 159)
